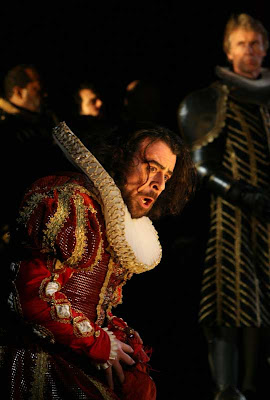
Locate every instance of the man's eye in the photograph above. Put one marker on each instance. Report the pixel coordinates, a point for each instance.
(152, 169)
(166, 178)
(255, 45)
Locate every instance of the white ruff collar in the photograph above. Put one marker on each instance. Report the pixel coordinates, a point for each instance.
(135, 241)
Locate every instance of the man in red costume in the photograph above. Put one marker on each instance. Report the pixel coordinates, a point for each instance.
(79, 237)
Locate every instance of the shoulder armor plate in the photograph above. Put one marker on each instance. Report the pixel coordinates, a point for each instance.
(201, 115)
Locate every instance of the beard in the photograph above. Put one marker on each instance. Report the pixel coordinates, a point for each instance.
(132, 201)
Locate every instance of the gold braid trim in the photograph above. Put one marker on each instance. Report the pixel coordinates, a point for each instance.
(40, 371)
(32, 203)
(80, 233)
(114, 206)
(65, 193)
(104, 290)
(219, 122)
(57, 222)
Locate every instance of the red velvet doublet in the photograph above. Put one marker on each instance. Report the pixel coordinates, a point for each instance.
(69, 282)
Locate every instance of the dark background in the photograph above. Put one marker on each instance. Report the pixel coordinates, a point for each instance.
(176, 46)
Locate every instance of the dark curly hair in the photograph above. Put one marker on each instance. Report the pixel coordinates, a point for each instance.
(116, 149)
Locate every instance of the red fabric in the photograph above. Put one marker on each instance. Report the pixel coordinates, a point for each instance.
(118, 326)
(46, 195)
(138, 384)
(37, 310)
(35, 273)
(122, 332)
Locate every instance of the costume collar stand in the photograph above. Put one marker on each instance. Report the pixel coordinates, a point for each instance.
(135, 241)
(252, 90)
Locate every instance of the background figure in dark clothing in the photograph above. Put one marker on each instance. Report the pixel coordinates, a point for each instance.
(227, 127)
(27, 147)
(88, 114)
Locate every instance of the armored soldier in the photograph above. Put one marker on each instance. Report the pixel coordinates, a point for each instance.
(227, 127)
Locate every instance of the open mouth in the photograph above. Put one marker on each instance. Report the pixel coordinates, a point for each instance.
(147, 201)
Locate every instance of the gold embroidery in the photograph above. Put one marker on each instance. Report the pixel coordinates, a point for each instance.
(102, 294)
(80, 235)
(57, 221)
(40, 372)
(30, 206)
(80, 232)
(245, 127)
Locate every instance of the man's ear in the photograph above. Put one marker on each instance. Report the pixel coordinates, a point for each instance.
(229, 57)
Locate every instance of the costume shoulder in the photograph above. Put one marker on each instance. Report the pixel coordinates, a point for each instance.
(201, 115)
(61, 217)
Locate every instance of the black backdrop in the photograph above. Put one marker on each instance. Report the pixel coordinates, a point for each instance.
(176, 45)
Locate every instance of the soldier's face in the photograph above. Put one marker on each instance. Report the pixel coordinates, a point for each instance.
(246, 52)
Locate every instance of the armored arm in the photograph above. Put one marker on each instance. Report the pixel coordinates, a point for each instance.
(201, 120)
(237, 192)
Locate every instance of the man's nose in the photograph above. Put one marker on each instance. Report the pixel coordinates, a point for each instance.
(158, 182)
(249, 48)
(99, 103)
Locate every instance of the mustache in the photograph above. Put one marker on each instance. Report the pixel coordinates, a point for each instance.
(152, 194)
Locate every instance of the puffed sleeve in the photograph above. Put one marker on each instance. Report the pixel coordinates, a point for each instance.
(59, 222)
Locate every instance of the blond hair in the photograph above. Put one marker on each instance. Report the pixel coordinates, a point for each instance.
(247, 23)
